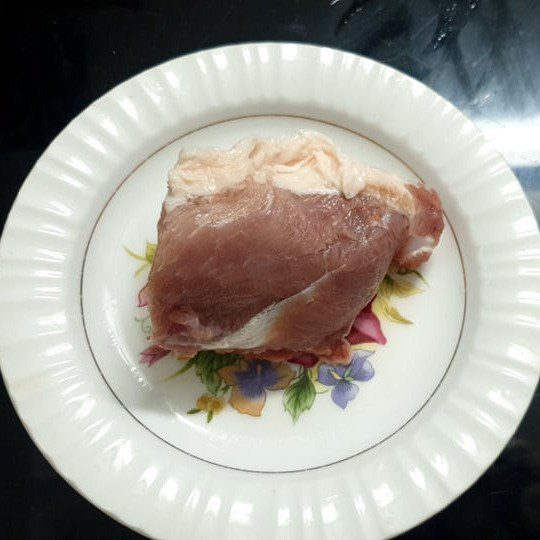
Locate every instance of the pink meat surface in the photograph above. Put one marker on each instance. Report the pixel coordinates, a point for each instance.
(268, 273)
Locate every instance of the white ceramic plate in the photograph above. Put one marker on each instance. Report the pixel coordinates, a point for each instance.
(447, 392)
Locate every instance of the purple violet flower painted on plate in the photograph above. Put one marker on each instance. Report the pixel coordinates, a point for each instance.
(342, 377)
(250, 382)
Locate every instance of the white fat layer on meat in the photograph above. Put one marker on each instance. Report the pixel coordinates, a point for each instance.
(306, 163)
(256, 331)
(253, 334)
(417, 245)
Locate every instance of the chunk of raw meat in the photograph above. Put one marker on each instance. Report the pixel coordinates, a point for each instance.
(272, 273)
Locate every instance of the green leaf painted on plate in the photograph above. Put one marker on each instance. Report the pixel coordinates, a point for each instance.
(190, 363)
(147, 259)
(207, 365)
(194, 411)
(393, 315)
(141, 268)
(134, 255)
(397, 286)
(150, 252)
(403, 272)
(299, 397)
(384, 310)
(402, 288)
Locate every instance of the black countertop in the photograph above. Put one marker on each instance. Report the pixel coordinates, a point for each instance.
(482, 55)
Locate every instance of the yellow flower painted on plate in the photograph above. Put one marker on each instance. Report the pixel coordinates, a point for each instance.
(210, 403)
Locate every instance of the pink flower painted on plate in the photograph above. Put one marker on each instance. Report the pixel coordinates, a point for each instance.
(143, 297)
(306, 360)
(152, 355)
(366, 328)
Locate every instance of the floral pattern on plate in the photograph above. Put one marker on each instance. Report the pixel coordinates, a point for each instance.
(230, 379)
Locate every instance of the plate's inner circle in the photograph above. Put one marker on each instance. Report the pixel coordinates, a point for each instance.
(408, 369)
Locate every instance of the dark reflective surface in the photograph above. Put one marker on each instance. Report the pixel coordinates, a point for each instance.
(482, 55)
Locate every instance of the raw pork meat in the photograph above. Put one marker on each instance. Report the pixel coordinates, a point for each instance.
(272, 248)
